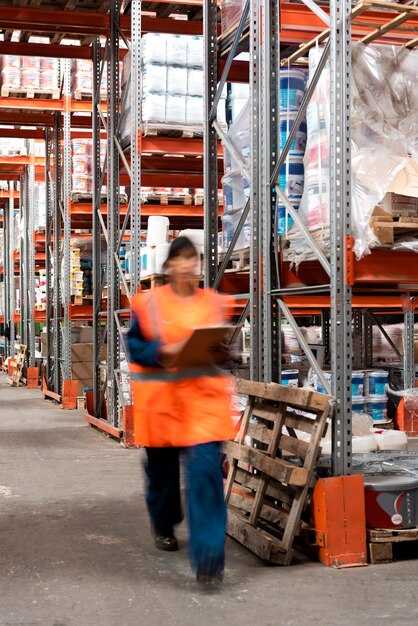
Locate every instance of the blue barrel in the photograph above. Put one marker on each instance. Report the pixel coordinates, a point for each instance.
(298, 145)
(376, 383)
(377, 408)
(290, 378)
(292, 87)
(292, 176)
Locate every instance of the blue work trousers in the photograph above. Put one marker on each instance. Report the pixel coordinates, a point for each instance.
(206, 509)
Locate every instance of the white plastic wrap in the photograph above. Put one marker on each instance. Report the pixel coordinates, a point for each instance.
(177, 50)
(175, 112)
(154, 48)
(195, 52)
(194, 110)
(384, 140)
(153, 108)
(176, 80)
(154, 79)
(194, 82)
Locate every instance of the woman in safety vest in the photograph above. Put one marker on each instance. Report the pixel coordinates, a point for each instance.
(181, 410)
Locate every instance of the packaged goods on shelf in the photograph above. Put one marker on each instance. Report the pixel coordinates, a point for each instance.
(1, 247)
(12, 147)
(82, 79)
(40, 206)
(384, 144)
(231, 12)
(29, 74)
(172, 85)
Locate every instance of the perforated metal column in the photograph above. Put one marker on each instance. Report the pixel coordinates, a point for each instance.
(408, 358)
(269, 110)
(210, 143)
(66, 197)
(113, 301)
(97, 272)
(23, 273)
(256, 298)
(11, 268)
(57, 230)
(136, 109)
(341, 352)
(49, 256)
(31, 254)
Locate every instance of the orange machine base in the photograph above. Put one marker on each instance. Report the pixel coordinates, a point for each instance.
(339, 518)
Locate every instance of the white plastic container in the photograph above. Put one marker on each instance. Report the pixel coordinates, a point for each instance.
(196, 236)
(157, 232)
(161, 254)
(148, 256)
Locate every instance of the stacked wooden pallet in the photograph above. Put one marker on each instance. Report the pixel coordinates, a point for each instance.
(388, 229)
(382, 543)
(15, 378)
(269, 481)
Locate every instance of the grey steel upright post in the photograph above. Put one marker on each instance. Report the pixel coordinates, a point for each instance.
(31, 254)
(210, 178)
(269, 88)
(6, 278)
(49, 256)
(11, 278)
(57, 221)
(97, 273)
(113, 300)
(66, 180)
(24, 259)
(408, 305)
(256, 283)
(341, 333)
(136, 119)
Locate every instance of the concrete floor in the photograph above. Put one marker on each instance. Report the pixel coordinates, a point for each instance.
(75, 546)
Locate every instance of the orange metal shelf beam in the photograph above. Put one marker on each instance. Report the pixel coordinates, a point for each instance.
(82, 23)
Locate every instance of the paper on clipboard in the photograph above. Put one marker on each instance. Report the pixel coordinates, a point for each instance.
(199, 349)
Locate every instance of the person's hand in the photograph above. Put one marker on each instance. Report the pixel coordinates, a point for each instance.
(222, 352)
(169, 351)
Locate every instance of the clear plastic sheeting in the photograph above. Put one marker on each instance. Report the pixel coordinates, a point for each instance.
(384, 143)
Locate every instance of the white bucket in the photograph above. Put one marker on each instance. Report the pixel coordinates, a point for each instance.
(157, 232)
(196, 236)
(161, 254)
(148, 256)
(11, 77)
(31, 78)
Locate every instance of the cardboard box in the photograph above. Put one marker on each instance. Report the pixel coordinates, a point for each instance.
(83, 352)
(82, 370)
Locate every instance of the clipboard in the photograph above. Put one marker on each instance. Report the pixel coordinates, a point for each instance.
(198, 351)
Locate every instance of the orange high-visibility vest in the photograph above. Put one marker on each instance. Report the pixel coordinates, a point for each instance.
(179, 407)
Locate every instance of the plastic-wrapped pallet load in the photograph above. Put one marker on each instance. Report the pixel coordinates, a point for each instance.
(11, 72)
(231, 11)
(384, 142)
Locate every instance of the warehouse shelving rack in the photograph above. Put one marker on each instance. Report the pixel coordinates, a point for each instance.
(333, 287)
(148, 161)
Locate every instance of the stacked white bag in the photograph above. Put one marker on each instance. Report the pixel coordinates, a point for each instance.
(172, 82)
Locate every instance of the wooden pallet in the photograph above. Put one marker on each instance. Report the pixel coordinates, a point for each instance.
(381, 543)
(15, 378)
(165, 199)
(171, 130)
(389, 229)
(152, 281)
(265, 492)
(28, 92)
(79, 94)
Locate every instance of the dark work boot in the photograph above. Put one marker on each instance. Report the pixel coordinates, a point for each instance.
(165, 540)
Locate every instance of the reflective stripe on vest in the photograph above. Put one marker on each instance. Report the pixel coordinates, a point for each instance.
(165, 376)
